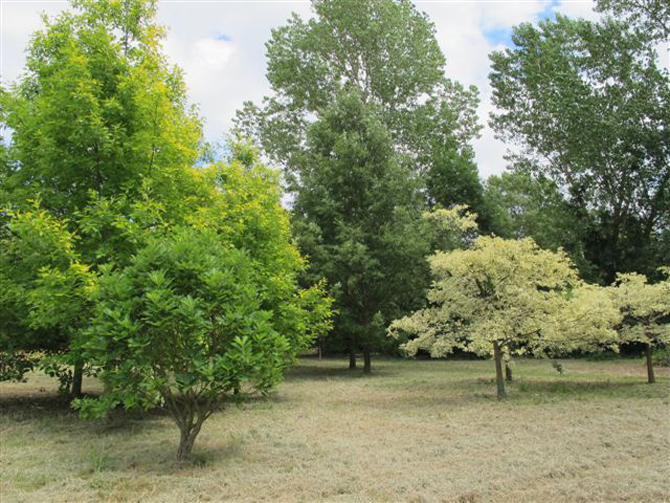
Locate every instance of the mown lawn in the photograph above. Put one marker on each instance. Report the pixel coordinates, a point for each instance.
(413, 431)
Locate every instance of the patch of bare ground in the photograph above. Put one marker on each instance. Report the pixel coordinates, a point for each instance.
(413, 431)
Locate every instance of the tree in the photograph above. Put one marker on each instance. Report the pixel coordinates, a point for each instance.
(648, 17)
(101, 136)
(98, 108)
(387, 52)
(589, 108)
(355, 212)
(645, 308)
(500, 297)
(206, 313)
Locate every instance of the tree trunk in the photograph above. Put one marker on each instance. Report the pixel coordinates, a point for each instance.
(352, 360)
(188, 434)
(500, 383)
(367, 361)
(508, 372)
(77, 377)
(650, 366)
(320, 349)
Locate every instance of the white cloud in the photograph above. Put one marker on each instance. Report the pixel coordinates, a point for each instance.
(462, 33)
(577, 8)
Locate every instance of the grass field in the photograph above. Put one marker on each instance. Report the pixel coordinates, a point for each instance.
(413, 431)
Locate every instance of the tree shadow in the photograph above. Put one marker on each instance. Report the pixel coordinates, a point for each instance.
(557, 387)
(35, 406)
(336, 369)
(57, 409)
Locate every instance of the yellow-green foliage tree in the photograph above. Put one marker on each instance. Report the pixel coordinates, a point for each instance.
(503, 296)
(39, 264)
(645, 308)
(101, 134)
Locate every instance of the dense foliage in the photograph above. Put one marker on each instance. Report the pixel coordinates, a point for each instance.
(129, 250)
(120, 254)
(102, 138)
(382, 57)
(355, 210)
(595, 125)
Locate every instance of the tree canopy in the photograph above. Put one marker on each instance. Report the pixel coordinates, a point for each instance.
(355, 212)
(645, 308)
(588, 106)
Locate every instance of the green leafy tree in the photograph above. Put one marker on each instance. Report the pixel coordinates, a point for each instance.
(39, 266)
(506, 296)
(356, 210)
(386, 51)
(206, 313)
(645, 308)
(98, 108)
(590, 109)
(189, 324)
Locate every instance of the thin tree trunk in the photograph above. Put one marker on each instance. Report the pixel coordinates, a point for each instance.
(650, 366)
(508, 372)
(367, 361)
(320, 349)
(77, 378)
(187, 437)
(500, 382)
(352, 360)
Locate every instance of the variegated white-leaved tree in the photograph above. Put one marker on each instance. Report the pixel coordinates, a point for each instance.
(503, 296)
(645, 308)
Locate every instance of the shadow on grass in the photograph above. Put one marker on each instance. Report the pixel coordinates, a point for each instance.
(622, 388)
(56, 412)
(35, 405)
(160, 457)
(336, 369)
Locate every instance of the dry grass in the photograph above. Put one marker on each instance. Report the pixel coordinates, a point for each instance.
(414, 431)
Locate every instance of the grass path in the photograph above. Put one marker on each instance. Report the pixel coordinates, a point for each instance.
(414, 431)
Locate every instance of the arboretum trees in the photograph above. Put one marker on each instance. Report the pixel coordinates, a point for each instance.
(178, 284)
(595, 125)
(101, 138)
(381, 56)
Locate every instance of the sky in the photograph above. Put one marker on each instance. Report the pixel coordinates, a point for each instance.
(220, 45)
